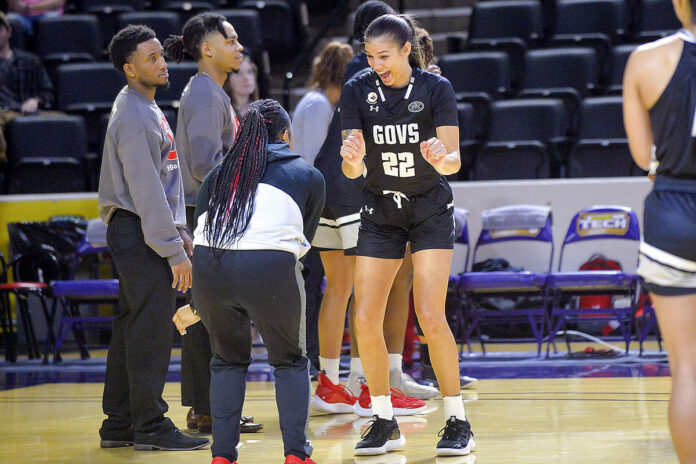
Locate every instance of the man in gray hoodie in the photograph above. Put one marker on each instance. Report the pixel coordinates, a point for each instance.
(141, 198)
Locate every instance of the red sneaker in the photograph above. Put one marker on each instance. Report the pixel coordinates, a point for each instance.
(292, 459)
(332, 398)
(221, 460)
(402, 405)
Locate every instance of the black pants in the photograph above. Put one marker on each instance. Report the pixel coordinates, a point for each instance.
(313, 275)
(141, 340)
(195, 358)
(232, 288)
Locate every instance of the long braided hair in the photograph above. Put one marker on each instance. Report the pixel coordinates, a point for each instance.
(232, 201)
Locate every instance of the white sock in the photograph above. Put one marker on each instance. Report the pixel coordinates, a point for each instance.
(356, 367)
(454, 406)
(330, 367)
(382, 407)
(395, 362)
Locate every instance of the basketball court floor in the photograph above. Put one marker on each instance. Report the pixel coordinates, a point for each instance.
(539, 411)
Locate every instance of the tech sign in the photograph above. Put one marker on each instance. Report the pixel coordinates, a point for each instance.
(603, 223)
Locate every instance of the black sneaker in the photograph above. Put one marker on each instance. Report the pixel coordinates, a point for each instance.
(380, 437)
(171, 440)
(457, 438)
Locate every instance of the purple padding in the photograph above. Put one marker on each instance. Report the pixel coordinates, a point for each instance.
(586, 280)
(85, 288)
(493, 281)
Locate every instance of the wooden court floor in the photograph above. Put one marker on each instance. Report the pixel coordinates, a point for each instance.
(556, 421)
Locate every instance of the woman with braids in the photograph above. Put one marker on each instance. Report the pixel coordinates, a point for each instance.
(400, 126)
(256, 214)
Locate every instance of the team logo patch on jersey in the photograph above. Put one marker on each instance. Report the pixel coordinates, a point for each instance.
(371, 98)
(416, 107)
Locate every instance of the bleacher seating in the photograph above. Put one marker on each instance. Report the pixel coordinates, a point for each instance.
(515, 49)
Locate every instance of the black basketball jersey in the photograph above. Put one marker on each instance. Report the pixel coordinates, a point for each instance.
(394, 123)
(673, 117)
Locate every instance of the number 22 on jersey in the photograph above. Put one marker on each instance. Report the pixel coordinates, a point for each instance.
(398, 164)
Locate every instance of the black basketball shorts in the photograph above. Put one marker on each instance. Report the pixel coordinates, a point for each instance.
(388, 221)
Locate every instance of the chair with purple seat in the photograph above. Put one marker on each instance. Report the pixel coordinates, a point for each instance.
(455, 303)
(521, 233)
(71, 294)
(616, 230)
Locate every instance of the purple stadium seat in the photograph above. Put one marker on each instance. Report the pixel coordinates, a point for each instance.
(599, 223)
(525, 225)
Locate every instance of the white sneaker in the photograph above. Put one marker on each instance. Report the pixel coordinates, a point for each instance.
(410, 387)
(354, 382)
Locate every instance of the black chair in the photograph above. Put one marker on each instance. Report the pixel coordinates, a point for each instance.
(164, 23)
(68, 38)
(107, 12)
(19, 37)
(31, 272)
(179, 76)
(566, 73)
(187, 9)
(602, 148)
(49, 155)
(657, 20)
(508, 26)
(478, 78)
(39, 136)
(88, 89)
(281, 36)
(619, 58)
(109, 6)
(46, 175)
(599, 24)
(467, 140)
(525, 140)
(602, 118)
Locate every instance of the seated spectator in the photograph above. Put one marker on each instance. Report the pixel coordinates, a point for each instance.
(28, 11)
(24, 84)
(312, 117)
(242, 86)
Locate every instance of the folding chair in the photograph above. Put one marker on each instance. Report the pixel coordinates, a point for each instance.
(617, 228)
(456, 317)
(31, 272)
(73, 293)
(508, 231)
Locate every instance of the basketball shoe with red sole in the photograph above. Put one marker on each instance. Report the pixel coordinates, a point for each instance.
(402, 405)
(331, 397)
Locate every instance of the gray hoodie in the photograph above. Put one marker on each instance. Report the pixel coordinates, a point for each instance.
(205, 129)
(140, 173)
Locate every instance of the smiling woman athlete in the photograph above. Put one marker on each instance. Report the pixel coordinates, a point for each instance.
(400, 124)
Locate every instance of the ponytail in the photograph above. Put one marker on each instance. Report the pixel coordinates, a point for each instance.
(174, 49)
(232, 201)
(401, 29)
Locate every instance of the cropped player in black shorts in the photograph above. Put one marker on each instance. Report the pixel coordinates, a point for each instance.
(659, 101)
(400, 126)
